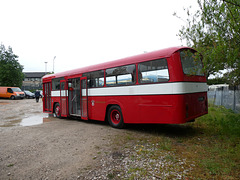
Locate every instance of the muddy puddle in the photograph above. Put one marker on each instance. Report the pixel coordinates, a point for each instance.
(27, 121)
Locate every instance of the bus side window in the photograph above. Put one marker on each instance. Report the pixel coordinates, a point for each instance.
(62, 86)
(90, 83)
(122, 75)
(153, 71)
(111, 81)
(56, 83)
(95, 79)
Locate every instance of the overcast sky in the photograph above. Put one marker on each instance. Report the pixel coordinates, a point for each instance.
(85, 32)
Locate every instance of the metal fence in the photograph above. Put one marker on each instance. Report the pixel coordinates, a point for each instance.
(228, 97)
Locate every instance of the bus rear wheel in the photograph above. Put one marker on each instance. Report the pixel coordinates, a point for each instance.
(115, 117)
(57, 110)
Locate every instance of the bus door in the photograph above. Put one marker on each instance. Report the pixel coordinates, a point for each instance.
(63, 98)
(84, 98)
(74, 97)
(47, 97)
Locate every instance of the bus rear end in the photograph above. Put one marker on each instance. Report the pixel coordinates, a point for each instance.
(191, 95)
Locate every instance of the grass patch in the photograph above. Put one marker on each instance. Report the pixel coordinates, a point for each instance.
(217, 146)
(221, 121)
(209, 148)
(111, 176)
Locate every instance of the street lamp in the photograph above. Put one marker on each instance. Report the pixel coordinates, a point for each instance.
(45, 67)
(53, 63)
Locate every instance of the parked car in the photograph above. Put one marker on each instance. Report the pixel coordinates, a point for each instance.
(11, 92)
(29, 95)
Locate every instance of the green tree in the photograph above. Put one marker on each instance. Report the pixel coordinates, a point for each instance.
(214, 30)
(10, 69)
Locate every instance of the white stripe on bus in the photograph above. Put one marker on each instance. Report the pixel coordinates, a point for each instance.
(57, 93)
(148, 89)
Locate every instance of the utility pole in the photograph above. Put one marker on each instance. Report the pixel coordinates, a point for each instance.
(53, 63)
(45, 67)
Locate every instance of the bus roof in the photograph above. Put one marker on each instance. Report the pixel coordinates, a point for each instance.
(163, 53)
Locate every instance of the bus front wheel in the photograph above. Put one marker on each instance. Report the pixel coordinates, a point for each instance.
(115, 117)
(57, 110)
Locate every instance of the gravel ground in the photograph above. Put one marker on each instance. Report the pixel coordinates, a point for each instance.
(35, 146)
(52, 149)
(134, 164)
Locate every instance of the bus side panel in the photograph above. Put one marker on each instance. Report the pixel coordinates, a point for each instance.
(96, 108)
(196, 105)
(161, 109)
(128, 105)
(188, 107)
(144, 109)
(155, 109)
(178, 110)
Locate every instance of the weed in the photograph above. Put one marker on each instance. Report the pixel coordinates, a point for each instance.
(10, 165)
(110, 176)
(95, 157)
(213, 167)
(171, 158)
(166, 145)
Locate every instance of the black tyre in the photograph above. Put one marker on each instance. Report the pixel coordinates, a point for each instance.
(12, 97)
(57, 110)
(115, 117)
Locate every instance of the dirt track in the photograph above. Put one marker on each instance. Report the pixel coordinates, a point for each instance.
(53, 149)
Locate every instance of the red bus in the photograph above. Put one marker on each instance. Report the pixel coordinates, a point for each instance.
(165, 86)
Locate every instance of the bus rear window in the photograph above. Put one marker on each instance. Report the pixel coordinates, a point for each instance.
(191, 63)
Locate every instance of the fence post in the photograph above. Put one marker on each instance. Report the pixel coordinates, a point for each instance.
(234, 98)
(221, 96)
(215, 97)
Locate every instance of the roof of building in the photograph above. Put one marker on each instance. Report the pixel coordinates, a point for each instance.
(34, 74)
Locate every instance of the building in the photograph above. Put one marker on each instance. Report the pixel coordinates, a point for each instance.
(32, 80)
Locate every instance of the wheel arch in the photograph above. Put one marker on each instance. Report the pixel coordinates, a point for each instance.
(53, 107)
(113, 103)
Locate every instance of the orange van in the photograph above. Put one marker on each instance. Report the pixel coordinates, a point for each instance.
(11, 92)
